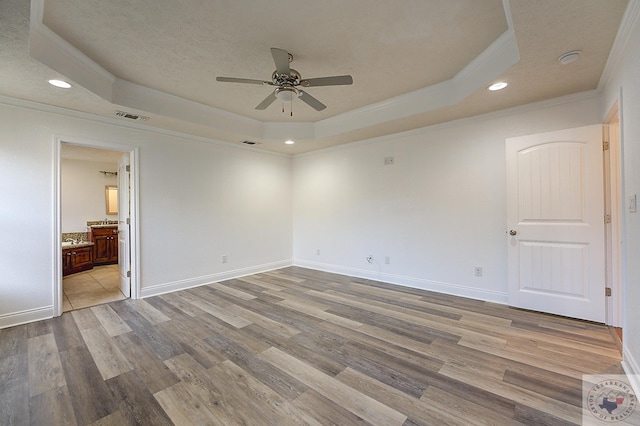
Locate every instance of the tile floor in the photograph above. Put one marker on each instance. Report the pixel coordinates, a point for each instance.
(93, 287)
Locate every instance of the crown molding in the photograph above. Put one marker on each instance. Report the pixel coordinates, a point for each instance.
(69, 113)
(520, 109)
(629, 21)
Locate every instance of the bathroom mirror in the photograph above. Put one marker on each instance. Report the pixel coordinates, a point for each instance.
(111, 195)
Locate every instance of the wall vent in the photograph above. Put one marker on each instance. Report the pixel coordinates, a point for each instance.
(131, 116)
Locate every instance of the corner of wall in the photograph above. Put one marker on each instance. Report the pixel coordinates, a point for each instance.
(631, 368)
(170, 287)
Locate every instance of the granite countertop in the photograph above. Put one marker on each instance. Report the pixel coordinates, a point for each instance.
(101, 223)
(77, 245)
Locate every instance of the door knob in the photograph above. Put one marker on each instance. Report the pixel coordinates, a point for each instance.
(513, 232)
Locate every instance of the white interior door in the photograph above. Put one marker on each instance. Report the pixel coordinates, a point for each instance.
(124, 258)
(555, 217)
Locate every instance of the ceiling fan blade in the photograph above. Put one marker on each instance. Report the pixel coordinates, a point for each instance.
(338, 80)
(311, 101)
(267, 101)
(242, 80)
(281, 58)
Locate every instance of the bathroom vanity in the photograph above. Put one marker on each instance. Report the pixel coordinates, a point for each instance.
(77, 258)
(105, 240)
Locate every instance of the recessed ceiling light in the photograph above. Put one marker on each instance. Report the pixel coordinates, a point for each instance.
(289, 142)
(59, 83)
(497, 86)
(567, 58)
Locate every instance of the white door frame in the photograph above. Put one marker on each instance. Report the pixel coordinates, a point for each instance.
(134, 235)
(613, 230)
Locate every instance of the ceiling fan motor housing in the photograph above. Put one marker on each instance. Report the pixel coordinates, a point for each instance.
(292, 79)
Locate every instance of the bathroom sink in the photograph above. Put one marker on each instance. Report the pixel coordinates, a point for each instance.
(67, 243)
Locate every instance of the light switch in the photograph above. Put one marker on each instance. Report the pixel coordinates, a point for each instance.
(632, 203)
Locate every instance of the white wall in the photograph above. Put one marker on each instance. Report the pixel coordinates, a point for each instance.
(438, 212)
(198, 201)
(83, 193)
(624, 86)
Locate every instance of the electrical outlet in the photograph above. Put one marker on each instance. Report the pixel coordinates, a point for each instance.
(318, 252)
(389, 161)
(478, 271)
(224, 258)
(387, 260)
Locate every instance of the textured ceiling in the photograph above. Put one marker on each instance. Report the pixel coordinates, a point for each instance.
(387, 46)
(414, 63)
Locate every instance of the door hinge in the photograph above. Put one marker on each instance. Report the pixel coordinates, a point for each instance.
(128, 274)
(128, 168)
(605, 145)
(607, 291)
(607, 218)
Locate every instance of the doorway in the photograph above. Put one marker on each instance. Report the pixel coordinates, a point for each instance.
(82, 219)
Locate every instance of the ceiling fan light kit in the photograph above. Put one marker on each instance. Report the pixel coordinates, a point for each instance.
(287, 80)
(287, 94)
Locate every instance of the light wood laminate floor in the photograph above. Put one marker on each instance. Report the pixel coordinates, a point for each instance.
(297, 346)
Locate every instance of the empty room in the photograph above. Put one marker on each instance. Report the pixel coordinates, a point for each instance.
(326, 213)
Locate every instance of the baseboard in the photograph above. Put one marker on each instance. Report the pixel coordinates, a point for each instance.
(413, 282)
(208, 279)
(632, 369)
(22, 317)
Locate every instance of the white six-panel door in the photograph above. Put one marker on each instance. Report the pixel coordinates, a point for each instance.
(555, 223)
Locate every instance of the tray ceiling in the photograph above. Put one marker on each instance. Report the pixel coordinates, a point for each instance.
(414, 63)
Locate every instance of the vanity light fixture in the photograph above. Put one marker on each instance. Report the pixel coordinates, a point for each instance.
(497, 86)
(289, 142)
(59, 83)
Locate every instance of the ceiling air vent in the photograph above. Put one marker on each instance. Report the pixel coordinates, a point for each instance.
(250, 143)
(131, 116)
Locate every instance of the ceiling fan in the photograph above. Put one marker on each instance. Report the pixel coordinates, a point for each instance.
(287, 82)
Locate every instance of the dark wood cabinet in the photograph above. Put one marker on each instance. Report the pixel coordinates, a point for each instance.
(77, 259)
(105, 248)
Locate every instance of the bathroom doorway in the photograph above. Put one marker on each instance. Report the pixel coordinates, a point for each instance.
(96, 251)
